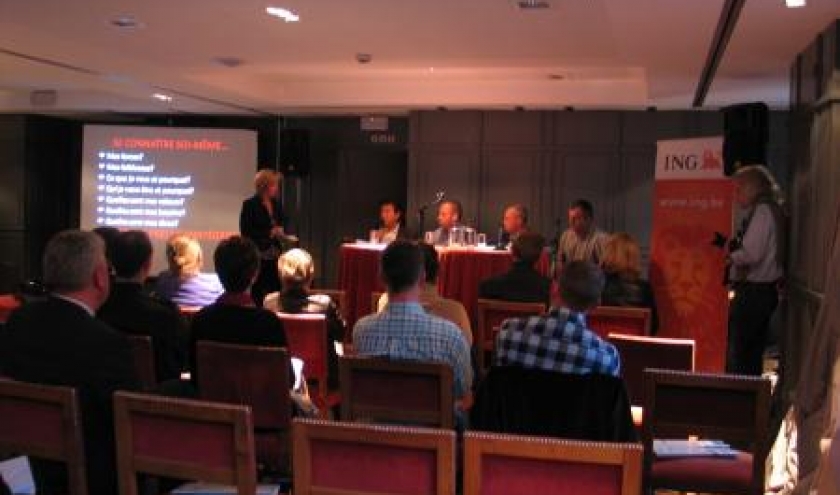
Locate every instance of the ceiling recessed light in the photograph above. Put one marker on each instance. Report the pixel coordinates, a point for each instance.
(556, 77)
(793, 4)
(532, 4)
(281, 13)
(126, 22)
(162, 97)
(230, 62)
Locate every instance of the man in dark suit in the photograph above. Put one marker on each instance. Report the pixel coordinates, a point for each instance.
(131, 310)
(522, 283)
(58, 341)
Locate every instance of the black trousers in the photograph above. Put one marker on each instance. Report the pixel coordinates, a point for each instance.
(749, 322)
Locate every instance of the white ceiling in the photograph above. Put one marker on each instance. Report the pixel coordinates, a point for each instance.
(426, 53)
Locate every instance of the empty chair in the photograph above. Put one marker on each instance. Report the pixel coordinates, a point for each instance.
(506, 464)
(44, 422)
(604, 320)
(183, 439)
(491, 314)
(354, 458)
(638, 353)
(144, 360)
(308, 341)
(259, 378)
(381, 390)
(731, 408)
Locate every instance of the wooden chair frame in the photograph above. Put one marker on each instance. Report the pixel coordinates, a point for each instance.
(322, 397)
(143, 353)
(71, 451)
(627, 312)
(243, 474)
(305, 430)
(479, 444)
(351, 410)
(485, 338)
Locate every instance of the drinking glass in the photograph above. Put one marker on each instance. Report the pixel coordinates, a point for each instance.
(429, 237)
(482, 240)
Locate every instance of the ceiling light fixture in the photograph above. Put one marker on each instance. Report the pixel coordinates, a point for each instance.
(281, 13)
(532, 4)
(794, 4)
(162, 97)
(126, 22)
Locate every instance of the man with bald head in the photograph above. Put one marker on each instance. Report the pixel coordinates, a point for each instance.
(448, 217)
(57, 341)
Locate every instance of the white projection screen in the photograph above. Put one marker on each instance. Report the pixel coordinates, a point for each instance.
(167, 180)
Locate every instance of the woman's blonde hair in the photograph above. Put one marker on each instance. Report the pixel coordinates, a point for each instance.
(184, 255)
(265, 178)
(295, 268)
(622, 256)
(765, 186)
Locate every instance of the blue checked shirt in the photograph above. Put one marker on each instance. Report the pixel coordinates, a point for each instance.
(406, 331)
(557, 341)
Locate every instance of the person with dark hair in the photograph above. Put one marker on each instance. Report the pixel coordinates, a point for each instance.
(404, 331)
(234, 318)
(58, 341)
(130, 310)
(582, 241)
(430, 298)
(449, 216)
(560, 340)
(391, 222)
(514, 223)
(522, 283)
(108, 234)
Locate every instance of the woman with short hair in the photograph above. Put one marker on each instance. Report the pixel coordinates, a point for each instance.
(624, 285)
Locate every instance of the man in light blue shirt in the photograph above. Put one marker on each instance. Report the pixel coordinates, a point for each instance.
(404, 331)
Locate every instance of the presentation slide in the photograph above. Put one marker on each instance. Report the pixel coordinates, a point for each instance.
(166, 180)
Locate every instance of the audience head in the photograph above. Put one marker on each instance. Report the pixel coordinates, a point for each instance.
(754, 184)
(132, 255)
(296, 269)
(449, 214)
(430, 262)
(515, 219)
(528, 247)
(108, 234)
(581, 215)
(184, 256)
(267, 183)
(74, 264)
(391, 214)
(237, 263)
(581, 284)
(622, 256)
(402, 267)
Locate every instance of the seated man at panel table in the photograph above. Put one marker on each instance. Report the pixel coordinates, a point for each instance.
(391, 222)
(448, 217)
(58, 341)
(582, 241)
(403, 330)
(130, 310)
(514, 224)
(560, 341)
(432, 301)
(522, 283)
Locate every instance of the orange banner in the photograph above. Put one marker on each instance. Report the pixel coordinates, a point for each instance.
(686, 270)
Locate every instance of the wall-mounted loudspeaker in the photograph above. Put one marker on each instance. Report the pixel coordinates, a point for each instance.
(746, 130)
(293, 152)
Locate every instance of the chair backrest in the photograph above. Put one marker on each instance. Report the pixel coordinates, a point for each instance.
(497, 464)
(604, 320)
(381, 390)
(732, 408)
(638, 353)
(251, 375)
(8, 303)
(44, 422)
(338, 296)
(306, 335)
(331, 458)
(183, 439)
(491, 314)
(144, 360)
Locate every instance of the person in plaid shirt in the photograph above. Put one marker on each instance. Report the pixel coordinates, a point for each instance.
(405, 331)
(560, 341)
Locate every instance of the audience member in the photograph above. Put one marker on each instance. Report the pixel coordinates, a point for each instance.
(234, 318)
(622, 264)
(403, 330)
(522, 283)
(560, 341)
(514, 223)
(296, 271)
(582, 241)
(108, 234)
(432, 301)
(391, 222)
(184, 283)
(131, 310)
(448, 217)
(58, 341)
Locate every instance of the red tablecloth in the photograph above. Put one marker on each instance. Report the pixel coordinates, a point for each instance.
(8, 303)
(460, 272)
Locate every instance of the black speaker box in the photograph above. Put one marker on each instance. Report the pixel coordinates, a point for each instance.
(293, 152)
(746, 130)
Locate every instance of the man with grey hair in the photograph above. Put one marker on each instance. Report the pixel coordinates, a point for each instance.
(58, 341)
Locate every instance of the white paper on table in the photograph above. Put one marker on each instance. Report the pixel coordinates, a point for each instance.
(18, 476)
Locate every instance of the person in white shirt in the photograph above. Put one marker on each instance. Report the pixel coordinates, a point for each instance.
(582, 241)
(756, 261)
